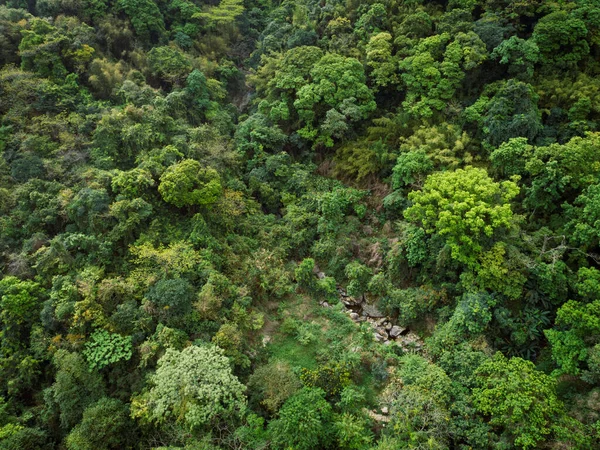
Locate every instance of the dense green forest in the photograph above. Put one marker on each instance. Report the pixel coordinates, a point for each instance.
(299, 224)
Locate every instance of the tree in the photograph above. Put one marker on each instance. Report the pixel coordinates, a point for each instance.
(585, 218)
(337, 88)
(304, 422)
(381, 61)
(577, 331)
(353, 432)
(174, 296)
(193, 388)
(132, 183)
(169, 64)
(520, 56)
(411, 168)
(463, 207)
(418, 419)
(473, 313)
(520, 400)
(20, 306)
(561, 172)
(74, 389)
(187, 183)
(145, 17)
(104, 348)
(511, 112)
(435, 69)
(105, 425)
(273, 384)
(224, 14)
(510, 158)
(561, 39)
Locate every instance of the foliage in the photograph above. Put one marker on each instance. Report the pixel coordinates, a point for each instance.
(463, 206)
(187, 189)
(193, 387)
(304, 421)
(104, 349)
(572, 344)
(187, 183)
(274, 383)
(332, 378)
(519, 399)
(105, 425)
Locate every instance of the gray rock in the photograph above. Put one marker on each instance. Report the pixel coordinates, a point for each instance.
(320, 275)
(351, 301)
(354, 316)
(325, 305)
(377, 337)
(385, 411)
(396, 331)
(372, 311)
(388, 326)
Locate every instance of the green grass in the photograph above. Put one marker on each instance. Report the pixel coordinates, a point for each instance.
(287, 348)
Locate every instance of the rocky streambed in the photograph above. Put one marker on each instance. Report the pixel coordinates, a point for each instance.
(384, 329)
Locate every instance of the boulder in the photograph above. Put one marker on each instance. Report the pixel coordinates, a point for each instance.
(372, 311)
(396, 331)
(354, 316)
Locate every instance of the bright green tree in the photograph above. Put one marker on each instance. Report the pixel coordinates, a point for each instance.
(464, 207)
(188, 183)
(520, 400)
(104, 348)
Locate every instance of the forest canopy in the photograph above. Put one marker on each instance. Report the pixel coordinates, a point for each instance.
(299, 225)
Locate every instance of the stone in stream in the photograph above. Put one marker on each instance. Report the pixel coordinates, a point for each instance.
(372, 311)
(396, 331)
